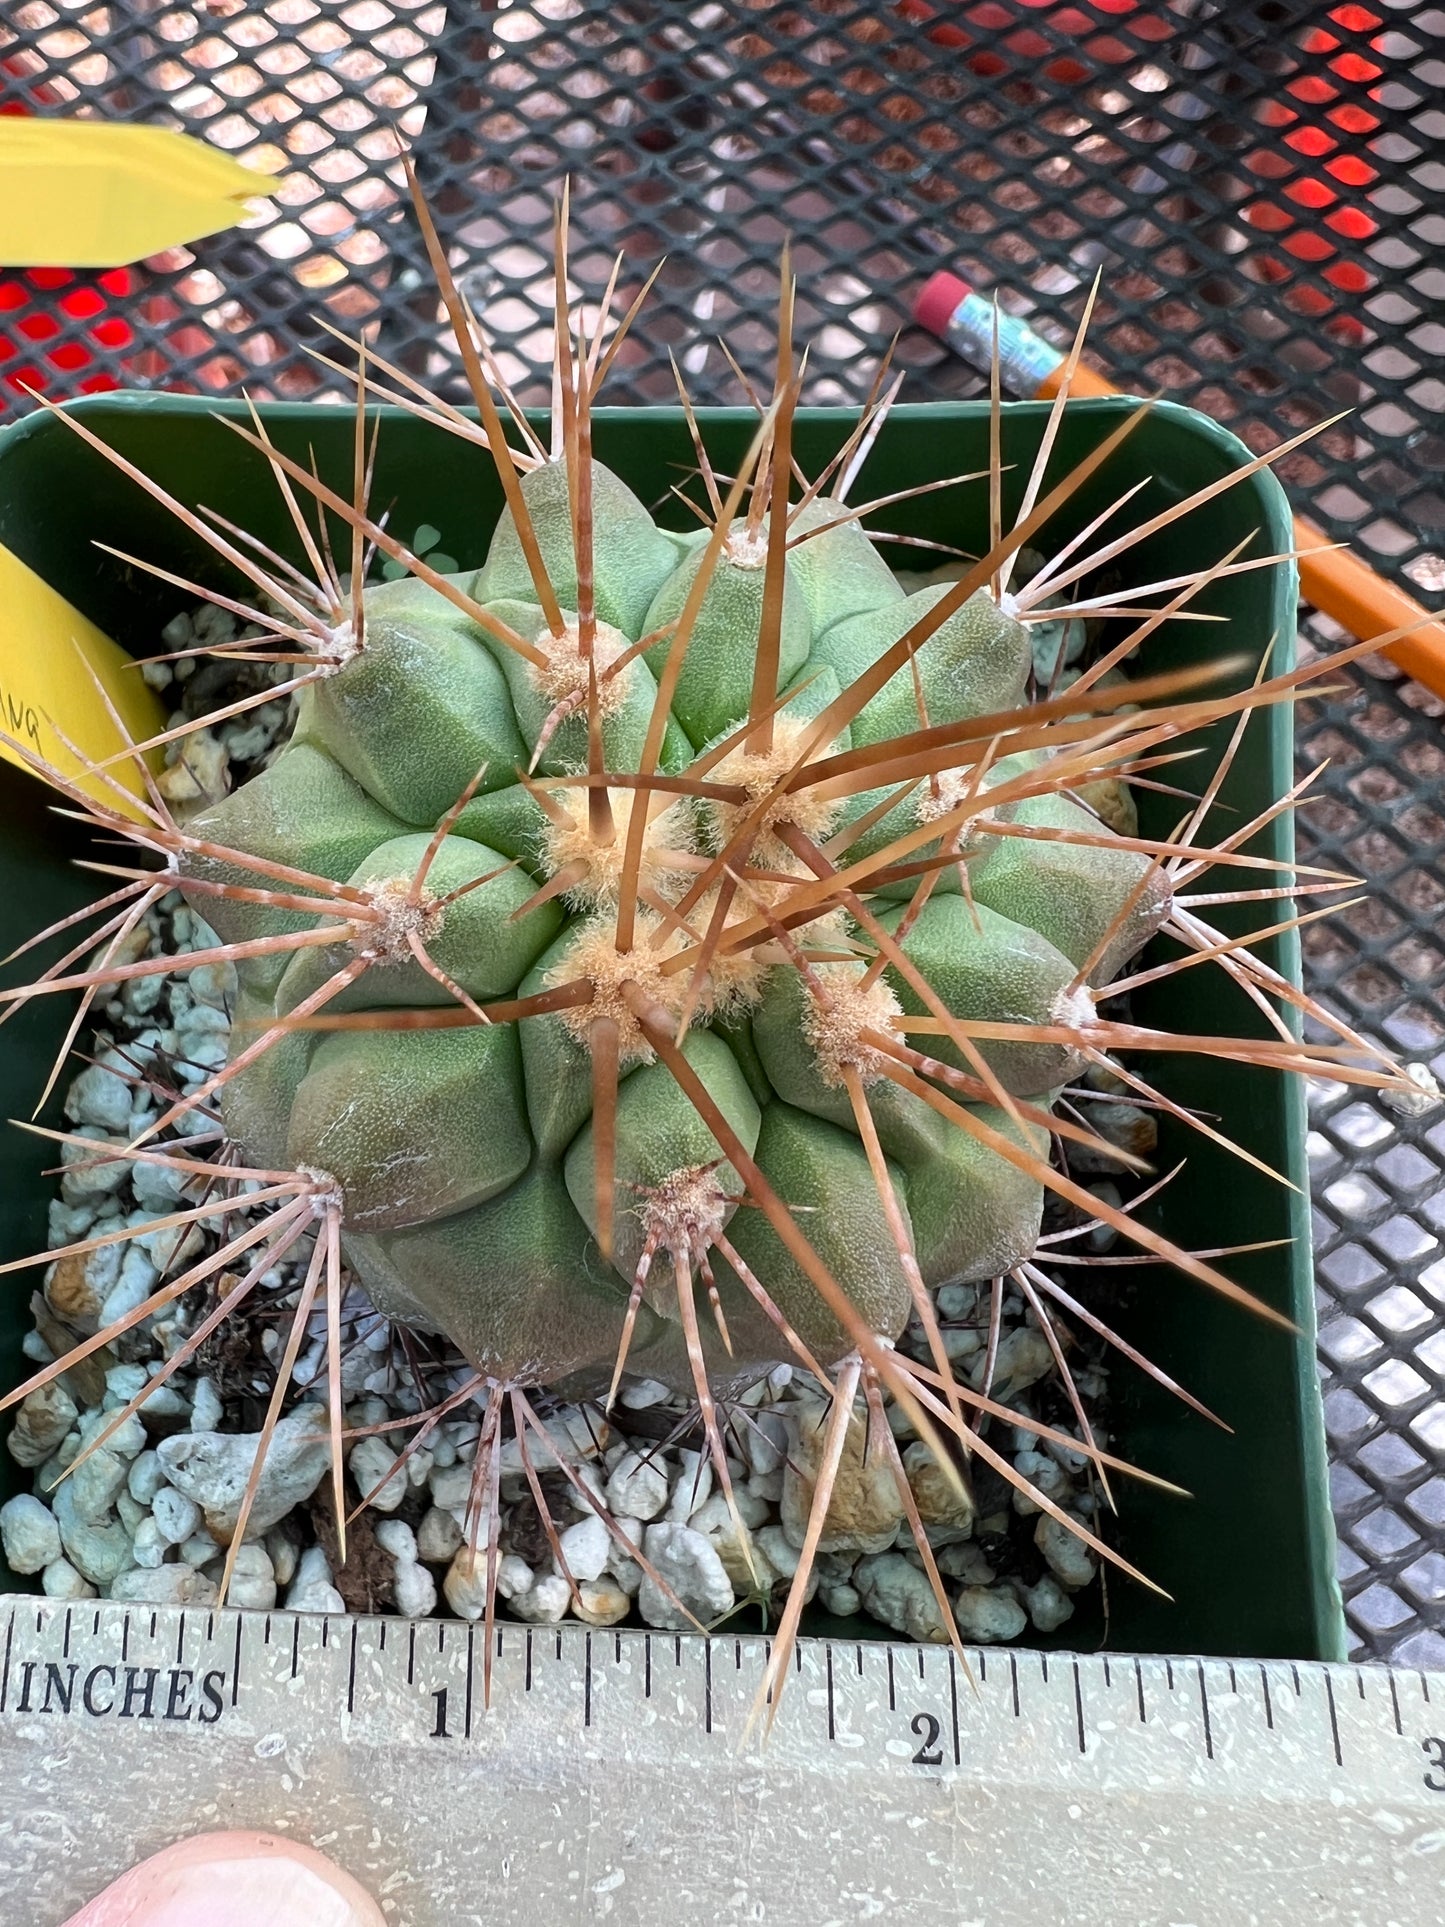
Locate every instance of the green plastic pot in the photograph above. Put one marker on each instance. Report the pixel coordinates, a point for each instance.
(1248, 1560)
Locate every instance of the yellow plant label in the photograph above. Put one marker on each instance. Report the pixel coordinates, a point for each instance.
(51, 661)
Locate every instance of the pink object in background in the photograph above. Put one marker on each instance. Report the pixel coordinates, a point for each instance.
(233, 1880)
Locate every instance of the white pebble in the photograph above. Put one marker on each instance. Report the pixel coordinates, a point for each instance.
(29, 1534)
(638, 1394)
(1048, 1604)
(147, 1476)
(213, 1468)
(396, 1537)
(437, 1537)
(693, 1571)
(60, 1580)
(372, 1464)
(465, 1584)
(253, 1579)
(545, 1601)
(585, 1546)
(691, 1486)
(148, 1548)
(165, 1586)
(638, 1487)
(989, 1614)
(415, 1589)
(894, 1590)
(1069, 1559)
(176, 1516)
(207, 1410)
(842, 1600)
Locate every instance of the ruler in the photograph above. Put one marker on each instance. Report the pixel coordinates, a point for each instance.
(609, 1779)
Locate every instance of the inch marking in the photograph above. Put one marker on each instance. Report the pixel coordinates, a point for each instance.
(266, 1632)
(1394, 1697)
(1079, 1708)
(5, 1675)
(124, 1636)
(828, 1663)
(296, 1646)
(65, 1641)
(411, 1655)
(181, 1637)
(350, 1669)
(1013, 1667)
(1139, 1690)
(236, 1662)
(892, 1688)
(646, 1658)
(1268, 1702)
(1334, 1720)
(587, 1682)
(1204, 1712)
(707, 1687)
(471, 1668)
(528, 1687)
(953, 1696)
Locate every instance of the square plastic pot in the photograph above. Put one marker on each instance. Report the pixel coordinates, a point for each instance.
(1248, 1560)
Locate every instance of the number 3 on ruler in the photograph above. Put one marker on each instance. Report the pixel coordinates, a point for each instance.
(1434, 1751)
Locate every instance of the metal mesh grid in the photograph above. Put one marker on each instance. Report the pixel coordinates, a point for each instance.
(1256, 181)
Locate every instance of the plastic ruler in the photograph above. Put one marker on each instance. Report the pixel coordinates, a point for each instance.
(609, 1778)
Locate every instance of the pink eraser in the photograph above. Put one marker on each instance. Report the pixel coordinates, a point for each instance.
(938, 300)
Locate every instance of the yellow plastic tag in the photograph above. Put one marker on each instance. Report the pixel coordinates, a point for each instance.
(50, 660)
(92, 194)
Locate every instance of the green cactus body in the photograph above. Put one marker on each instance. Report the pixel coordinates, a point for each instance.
(466, 1157)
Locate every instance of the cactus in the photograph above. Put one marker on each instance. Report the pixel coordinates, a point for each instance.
(665, 950)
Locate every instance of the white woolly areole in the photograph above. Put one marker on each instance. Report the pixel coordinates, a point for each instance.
(386, 942)
(837, 1009)
(565, 679)
(1075, 1008)
(684, 1215)
(595, 958)
(812, 814)
(669, 833)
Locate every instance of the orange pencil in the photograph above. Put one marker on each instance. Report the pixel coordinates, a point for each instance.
(1335, 581)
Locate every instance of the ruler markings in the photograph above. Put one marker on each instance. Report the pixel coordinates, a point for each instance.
(350, 1666)
(124, 1636)
(587, 1687)
(529, 1663)
(236, 1661)
(1268, 1703)
(953, 1698)
(1108, 1677)
(266, 1638)
(1169, 1673)
(1294, 1675)
(1079, 1706)
(1394, 1703)
(181, 1638)
(1233, 1682)
(381, 1638)
(471, 1673)
(5, 1673)
(1013, 1666)
(1044, 1667)
(1334, 1719)
(1425, 1687)
(828, 1664)
(410, 1654)
(1204, 1714)
(296, 1646)
(1360, 1682)
(892, 1688)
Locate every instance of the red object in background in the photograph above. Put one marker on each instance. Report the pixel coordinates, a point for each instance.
(1324, 120)
(1327, 123)
(32, 302)
(35, 303)
(996, 40)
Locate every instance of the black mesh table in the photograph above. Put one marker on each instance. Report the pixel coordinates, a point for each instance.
(1259, 183)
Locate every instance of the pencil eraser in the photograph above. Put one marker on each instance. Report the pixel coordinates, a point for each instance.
(938, 301)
